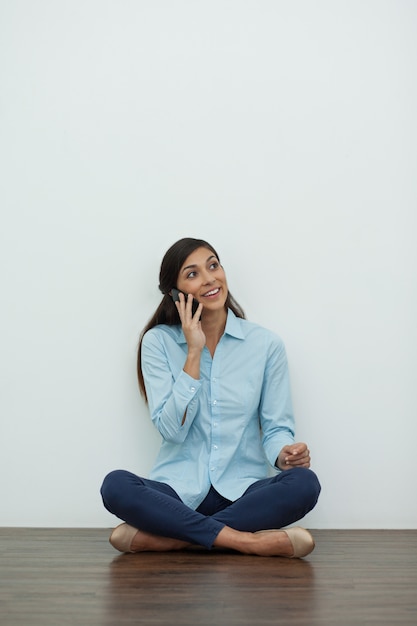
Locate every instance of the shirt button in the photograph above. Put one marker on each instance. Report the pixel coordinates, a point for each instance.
(214, 424)
(192, 389)
(212, 469)
(214, 380)
(215, 447)
(214, 401)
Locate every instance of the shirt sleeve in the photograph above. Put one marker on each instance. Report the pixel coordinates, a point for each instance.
(171, 392)
(275, 409)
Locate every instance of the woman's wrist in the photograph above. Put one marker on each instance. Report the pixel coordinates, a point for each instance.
(192, 364)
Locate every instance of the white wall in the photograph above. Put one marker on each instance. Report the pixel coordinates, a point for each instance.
(283, 132)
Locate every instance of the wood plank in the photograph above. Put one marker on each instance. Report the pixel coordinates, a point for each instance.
(54, 577)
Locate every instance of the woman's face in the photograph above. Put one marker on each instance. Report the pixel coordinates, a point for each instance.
(203, 277)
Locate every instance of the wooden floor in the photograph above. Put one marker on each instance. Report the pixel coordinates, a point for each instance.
(55, 577)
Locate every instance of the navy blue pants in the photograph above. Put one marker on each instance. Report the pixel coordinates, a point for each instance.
(156, 508)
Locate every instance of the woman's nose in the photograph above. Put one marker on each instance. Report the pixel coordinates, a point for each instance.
(208, 278)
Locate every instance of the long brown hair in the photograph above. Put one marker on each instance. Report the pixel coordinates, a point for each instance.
(167, 313)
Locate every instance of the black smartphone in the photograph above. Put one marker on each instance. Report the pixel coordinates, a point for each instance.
(176, 297)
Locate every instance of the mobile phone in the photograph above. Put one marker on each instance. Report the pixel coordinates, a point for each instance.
(175, 294)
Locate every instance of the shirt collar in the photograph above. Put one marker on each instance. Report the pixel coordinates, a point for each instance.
(233, 328)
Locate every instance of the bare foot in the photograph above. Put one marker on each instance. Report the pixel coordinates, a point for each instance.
(146, 542)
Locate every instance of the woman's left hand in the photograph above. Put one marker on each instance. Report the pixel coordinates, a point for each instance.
(295, 455)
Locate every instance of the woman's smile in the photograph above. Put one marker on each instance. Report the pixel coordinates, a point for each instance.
(211, 294)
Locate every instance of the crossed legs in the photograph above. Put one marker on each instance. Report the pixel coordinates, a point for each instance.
(166, 523)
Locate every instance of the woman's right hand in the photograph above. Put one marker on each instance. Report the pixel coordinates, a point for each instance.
(191, 324)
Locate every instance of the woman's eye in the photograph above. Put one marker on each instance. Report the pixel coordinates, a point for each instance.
(191, 275)
(214, 265)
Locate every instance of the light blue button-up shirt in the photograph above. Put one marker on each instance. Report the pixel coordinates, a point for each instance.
(238, 414)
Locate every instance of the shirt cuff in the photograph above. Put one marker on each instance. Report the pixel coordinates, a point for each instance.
(186, 386)
(273, 448)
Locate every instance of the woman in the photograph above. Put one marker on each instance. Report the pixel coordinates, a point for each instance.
(218, 392)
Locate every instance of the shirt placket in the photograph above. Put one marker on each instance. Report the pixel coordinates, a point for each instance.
(215, 407)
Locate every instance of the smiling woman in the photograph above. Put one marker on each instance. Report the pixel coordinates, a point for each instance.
(211, 483)
(204, 278)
